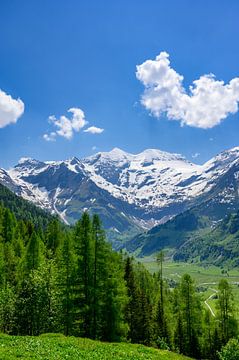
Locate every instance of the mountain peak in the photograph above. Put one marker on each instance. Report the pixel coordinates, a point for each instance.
(156, 154)
(28, 161)
(74, 160)
(117, 151)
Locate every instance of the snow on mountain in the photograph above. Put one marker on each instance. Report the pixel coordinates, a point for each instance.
(147, 188)
(149, 179)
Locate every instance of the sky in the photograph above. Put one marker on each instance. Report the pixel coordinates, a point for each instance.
(78, 77)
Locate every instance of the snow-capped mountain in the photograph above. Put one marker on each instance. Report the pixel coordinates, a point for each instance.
(128, 191)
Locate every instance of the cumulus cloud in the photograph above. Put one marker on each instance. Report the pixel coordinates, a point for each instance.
(68, 125)
(205, 105)
(94, 130)
(10, 109)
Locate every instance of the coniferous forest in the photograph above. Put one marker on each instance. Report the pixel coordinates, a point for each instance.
(58, 279)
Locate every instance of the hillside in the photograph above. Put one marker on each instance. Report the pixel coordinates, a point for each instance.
(170, 235)
(193, 236)
(217, 204)
(218, 246)
(58, 347)
(23, 209)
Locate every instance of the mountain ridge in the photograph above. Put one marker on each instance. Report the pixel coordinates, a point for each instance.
(130, 192)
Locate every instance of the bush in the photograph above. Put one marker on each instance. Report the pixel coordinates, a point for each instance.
(230, 351)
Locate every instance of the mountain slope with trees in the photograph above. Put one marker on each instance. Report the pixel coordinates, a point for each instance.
(70, 281)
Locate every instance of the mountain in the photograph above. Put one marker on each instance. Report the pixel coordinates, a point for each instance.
(130, 192)
(218, 246)
(220, 200)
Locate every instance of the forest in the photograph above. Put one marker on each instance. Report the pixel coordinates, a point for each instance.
(68, 280)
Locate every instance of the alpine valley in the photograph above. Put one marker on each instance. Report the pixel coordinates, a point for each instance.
(135, 195)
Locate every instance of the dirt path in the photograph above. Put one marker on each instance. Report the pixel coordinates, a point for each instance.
(209, 298)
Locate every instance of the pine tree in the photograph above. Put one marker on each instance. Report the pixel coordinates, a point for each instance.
(7, 309)
(100, 274)
(66, 283)
(161, 318)
(225, 310)
(208, 330)
(53, 236)
(133, 313)
(190, 312)
(9, 223)
(114, 327)
(34, 253)
(84, 250)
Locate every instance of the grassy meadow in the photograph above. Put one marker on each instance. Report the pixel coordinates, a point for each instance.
(58, 347)
(205, 277)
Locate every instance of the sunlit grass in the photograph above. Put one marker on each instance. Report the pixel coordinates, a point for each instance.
(58, 347)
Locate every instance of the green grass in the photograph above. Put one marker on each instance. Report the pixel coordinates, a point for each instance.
(207, 277)
(59, 347)
(201, 274)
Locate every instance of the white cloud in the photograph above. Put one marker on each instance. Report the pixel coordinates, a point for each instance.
(94, 148)
(50, 137)
(10, 109)
(197, 154)
(207, 103)
(68, 125)
(94, 130)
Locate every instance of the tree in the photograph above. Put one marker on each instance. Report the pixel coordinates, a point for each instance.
(190, 312)
(100, 274)
(9, 223)
(36, 303)
(84, 251)
(66, 283)
(114, 326)
(208, 331)
(225, 310)
(132, 311)
(7, 308)
(161, 319)
(230, 351)
(34, 253)
(53, 236)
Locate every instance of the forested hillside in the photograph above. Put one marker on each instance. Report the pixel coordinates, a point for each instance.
(193, 236)
(68, 280)
(218, 246)
(23, 209)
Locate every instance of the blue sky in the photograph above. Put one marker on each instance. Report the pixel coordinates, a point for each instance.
(57, 55)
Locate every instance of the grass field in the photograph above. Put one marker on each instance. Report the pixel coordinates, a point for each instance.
(58, 347)
(206, 278)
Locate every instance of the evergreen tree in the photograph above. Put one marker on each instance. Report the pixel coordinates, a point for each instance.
(225, 310)
(100, 274)
(133, 311)
(208, 330)
(66, 283)
(85, 263)
(53, 236)
(190, 312)
(114, 327)
(7, 309)
(161, 318)
(34, 253)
